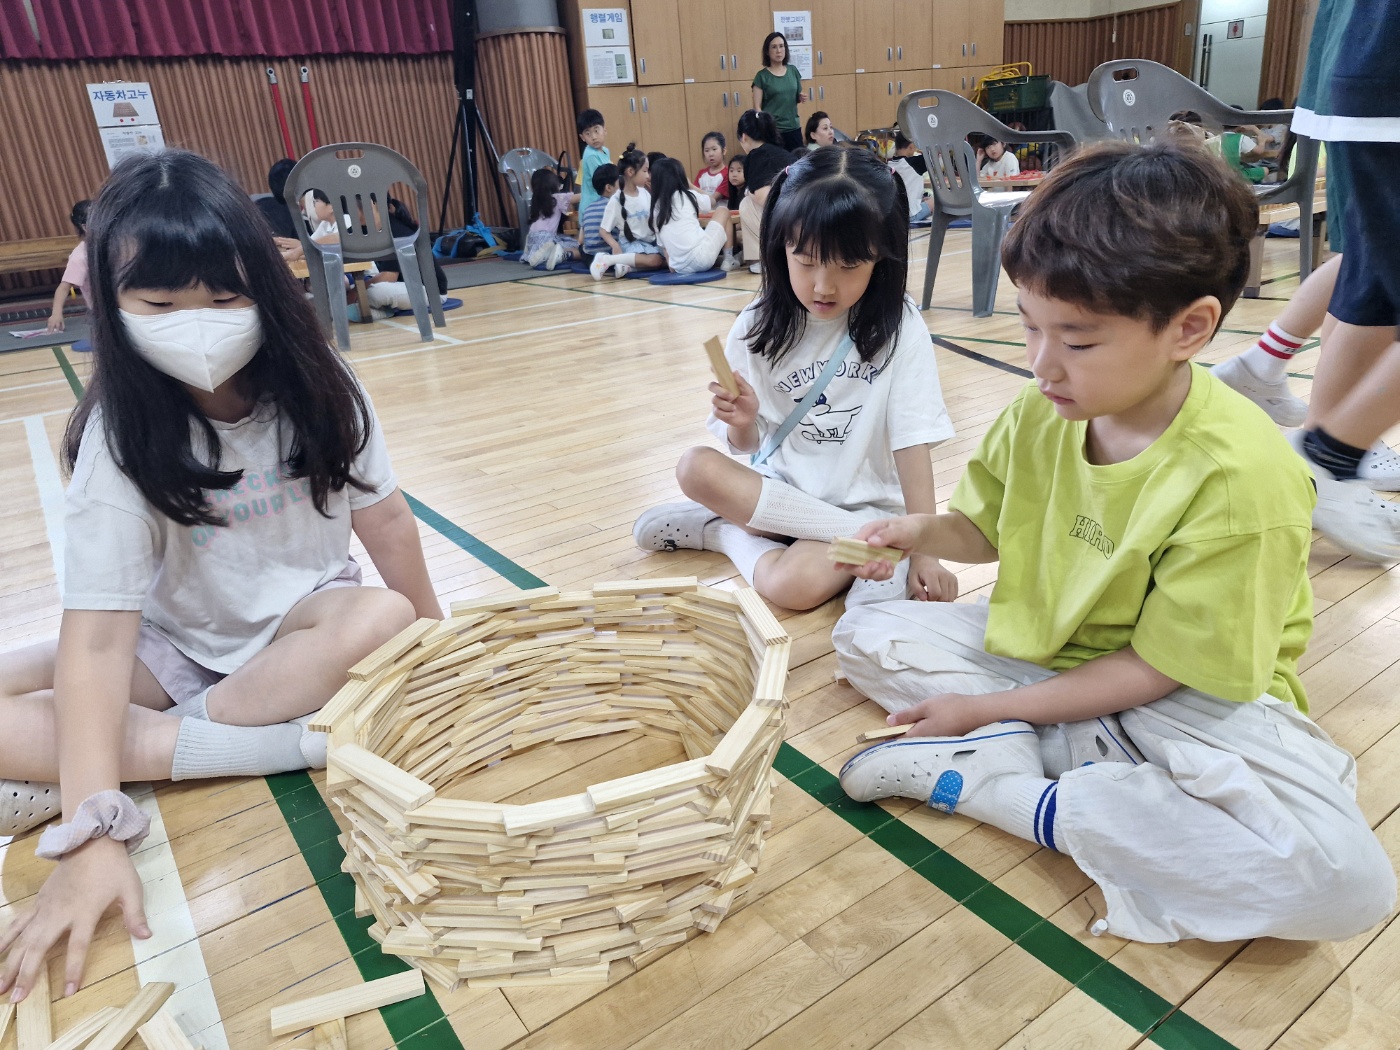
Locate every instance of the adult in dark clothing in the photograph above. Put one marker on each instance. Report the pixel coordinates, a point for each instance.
(764, 158)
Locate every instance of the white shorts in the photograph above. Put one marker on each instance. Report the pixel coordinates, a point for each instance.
(703, 253)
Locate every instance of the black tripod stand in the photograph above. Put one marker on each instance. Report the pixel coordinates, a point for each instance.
(467, 124)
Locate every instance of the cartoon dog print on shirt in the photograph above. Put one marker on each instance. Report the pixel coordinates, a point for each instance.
(822, 423)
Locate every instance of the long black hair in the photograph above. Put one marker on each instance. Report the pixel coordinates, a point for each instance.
(759, 126)
(544, 184)
(736, 192)
(169, 220)
(631, 161)
(787, 51)
(836, 205)
(667, 179)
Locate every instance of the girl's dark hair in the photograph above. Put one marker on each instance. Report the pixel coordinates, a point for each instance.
(168, 220)
(1137, 231)
(759, 126)
(736, 193)
(787, 53)
(79, 216)
(718, 136)
(654, 155)
(631, 161)
(812, 122)
(835, 205)
(667, 179)
(544, 184)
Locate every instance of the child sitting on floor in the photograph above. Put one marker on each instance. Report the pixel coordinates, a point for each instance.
(626, 225)
(544, 244)
(713, 179)
(590, 220)
(675, 215)
(1131, 694)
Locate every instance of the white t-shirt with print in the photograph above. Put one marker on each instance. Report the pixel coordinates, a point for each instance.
(219, 593)
(913, 183)
(842, 451)
(638, 216)
(1002, 168)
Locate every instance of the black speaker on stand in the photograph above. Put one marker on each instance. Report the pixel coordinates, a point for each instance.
(467, 125)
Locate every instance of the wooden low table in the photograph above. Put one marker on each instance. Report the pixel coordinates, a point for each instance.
(1002, 185)
(42, 253)
(357, 272)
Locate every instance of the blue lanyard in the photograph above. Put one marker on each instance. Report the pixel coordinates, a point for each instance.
(828, 373)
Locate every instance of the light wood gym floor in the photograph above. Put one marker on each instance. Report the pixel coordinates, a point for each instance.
(546, 415)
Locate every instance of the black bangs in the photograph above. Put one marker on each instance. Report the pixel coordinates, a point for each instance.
(179, 249)
(839, 225)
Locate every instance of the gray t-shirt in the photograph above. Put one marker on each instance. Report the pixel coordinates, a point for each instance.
(219, 593)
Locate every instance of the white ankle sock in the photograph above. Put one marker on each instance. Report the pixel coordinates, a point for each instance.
(788, 511)
(212, 749)
(744, 549)
(627, 259)
(1269, 357)
(1019, 804)
(194, 707)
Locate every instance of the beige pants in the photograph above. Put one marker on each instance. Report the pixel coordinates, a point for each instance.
(750, 220)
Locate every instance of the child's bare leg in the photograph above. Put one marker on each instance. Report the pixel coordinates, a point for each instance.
(1350, 353)
(650, 262)
(321, 638)
(799, 577)
(28, 736)
(728, 488)
(721, 215)
(1372, 404)
(1306, 310)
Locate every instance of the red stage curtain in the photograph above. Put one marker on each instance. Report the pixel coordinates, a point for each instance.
(85, 29)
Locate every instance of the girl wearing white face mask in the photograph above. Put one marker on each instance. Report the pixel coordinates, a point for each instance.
(221, 457)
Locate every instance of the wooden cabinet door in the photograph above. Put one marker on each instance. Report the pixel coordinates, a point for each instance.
(913, 34)
(704, 43)
(622, 115)
(709, 107)
(664, 125)
(986, 35)
(747, 22)
(876, 103)
(833, 37)
(874, 36)
(656, 41)
(951, 28)
(836, 96)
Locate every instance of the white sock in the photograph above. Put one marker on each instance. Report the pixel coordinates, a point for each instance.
(1019, 804)
(744, 549)
(626, 258)
(195, 706)
(1269, 357)
(212, 749)
(788, 511)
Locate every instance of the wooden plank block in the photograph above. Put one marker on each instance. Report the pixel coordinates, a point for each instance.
(772, 675)
(84, 1030)
(308, 1013)
(117, 1032)
(857, 552)
(738, 741)
(759, 617)
(7, 1014)
(161, 1032)
(34, 1024)
(888, 733)
(391, 650)
(522, 820)
(640, 786)
(405, 791)
(498, 602)
(715, 349)
(339, 707)
(660, 585)
(331, 1035)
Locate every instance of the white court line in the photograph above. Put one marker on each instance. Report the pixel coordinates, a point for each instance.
(172, 953)
(50, 489)
(41, 415)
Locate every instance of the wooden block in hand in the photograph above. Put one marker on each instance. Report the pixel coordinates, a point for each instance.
(888, 733)
(858, 552)
(720, 365)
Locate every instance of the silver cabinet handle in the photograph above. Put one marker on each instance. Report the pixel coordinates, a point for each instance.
(724, 96)
(901, 87)
(889, 88)
(889, 54)
(644, 103)
(821, 92)
(819, 58)
(974, 49)
(632, 105)
(964, 51)
(900, 49)
(721, 57)
(736, 99)
(733, 61)
(643, 62)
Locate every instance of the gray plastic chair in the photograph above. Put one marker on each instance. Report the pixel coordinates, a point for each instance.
(356, 177)
(939, 122)
(1136, 98)
(518, 165)
(1072, 113)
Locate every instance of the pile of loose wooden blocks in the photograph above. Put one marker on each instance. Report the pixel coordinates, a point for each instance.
(555, 891)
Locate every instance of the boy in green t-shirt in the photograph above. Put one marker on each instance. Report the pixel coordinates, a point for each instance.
(1130, 695)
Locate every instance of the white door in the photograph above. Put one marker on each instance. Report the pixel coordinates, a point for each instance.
(1230, 50)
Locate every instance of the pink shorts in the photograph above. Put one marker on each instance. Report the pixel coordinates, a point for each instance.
(181, 676)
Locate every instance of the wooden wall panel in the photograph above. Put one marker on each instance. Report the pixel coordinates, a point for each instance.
(1069, 49)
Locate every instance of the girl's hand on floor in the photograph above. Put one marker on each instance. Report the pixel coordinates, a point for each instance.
(55, 323)
(735, 410)
(947, 714)
(72, 902)
(929, 581)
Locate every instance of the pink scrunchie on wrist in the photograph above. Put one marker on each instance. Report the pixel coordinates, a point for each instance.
(109, 813)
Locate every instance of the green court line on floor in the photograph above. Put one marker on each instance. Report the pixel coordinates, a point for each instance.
(73, 381)
(634, 298)
(487, 555)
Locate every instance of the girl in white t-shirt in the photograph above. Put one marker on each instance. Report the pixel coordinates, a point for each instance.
(626, 225)
(675, 216)
(221, 457)
(835, 259)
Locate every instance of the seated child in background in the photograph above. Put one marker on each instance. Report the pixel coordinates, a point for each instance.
(75, 273)
(626, 225)
(995, 161)
(913, 180)
(1131, 694)
(675, 215)
(907, 151)
(736, 180)
(713, 179)
(544, 244)
(593, 135)
(590, 219)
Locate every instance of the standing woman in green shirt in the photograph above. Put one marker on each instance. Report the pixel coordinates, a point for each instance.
(777, 89)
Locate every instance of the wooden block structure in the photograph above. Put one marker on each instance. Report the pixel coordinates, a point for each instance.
(847, 551)
(553, 892)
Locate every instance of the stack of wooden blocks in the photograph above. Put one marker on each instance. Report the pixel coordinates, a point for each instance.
(555, 891)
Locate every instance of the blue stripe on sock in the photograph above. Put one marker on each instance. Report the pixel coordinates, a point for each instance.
(1039, 807)
(1049, 823)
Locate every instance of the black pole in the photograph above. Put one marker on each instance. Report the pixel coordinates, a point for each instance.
(464, 124)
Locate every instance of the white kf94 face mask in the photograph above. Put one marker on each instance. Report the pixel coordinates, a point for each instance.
(203, 348)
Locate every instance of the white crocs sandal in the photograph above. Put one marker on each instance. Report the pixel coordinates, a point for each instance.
(673, 526)
(1070, 745)
(25, 804)
(1380, 468)
(942, 771)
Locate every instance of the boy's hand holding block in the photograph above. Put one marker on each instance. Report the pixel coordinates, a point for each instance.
(721, 368)
(858, 552)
